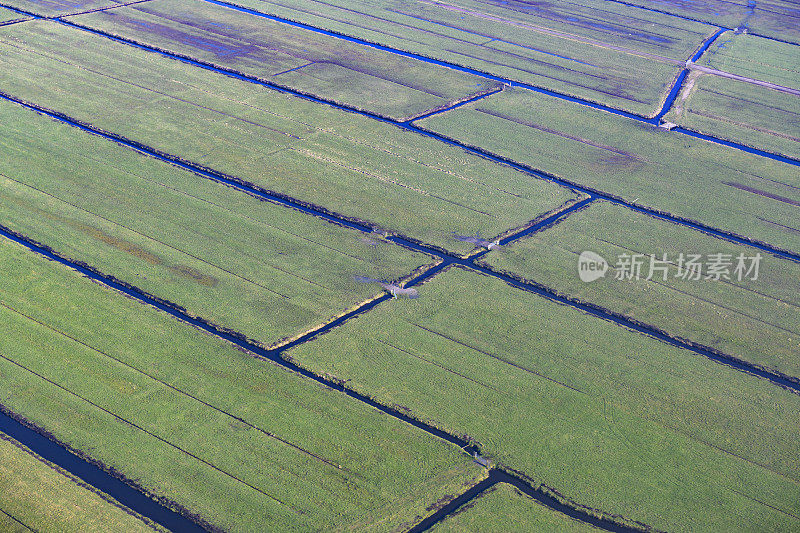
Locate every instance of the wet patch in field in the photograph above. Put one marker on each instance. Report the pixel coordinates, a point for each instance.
(123, 245)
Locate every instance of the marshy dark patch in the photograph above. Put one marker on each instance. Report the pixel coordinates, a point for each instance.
(121, 244)
(223, 49)
(96, 233)
(118, 243)
(194, 274)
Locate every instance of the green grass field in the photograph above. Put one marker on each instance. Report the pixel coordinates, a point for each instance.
(610, 418)
(55, 8)
(504, 507)
(353, 165)
(347, 73)
(694, 179)
(740, 112)
(755, 57)
(243, 443)
(755, 320)
(45, 498)
(547, 46)
(265, 270)
(606, 419)
(776, 18)
(7, 15)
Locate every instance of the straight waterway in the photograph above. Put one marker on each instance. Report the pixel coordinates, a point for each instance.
(410, 126)
(512, 83)
(151, 509)
(446, 257)
(95, 476)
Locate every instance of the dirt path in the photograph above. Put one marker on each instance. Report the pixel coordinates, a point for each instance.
(708, 70)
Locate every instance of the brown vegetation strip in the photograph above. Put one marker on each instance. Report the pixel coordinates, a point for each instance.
(554, 33)
(743, 125)
(561, 134)
(762, 193)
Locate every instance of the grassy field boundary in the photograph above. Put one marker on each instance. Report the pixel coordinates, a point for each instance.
(262, 81)
(239, 338)
(160, 500)
(275, 352)
(785, 381)
(693, 224)
(76, 480)
(684, 17)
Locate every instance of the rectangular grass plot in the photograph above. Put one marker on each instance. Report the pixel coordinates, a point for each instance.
(241, 443)
(38, 494)
(593, 50)
(504, 504)
(340, 161)
(702, 181)
(777, 19)
(8, 15)
(756, 320)
(264, 270)
(57, 8)
(606, 416)
(347, 73)
(763, 117)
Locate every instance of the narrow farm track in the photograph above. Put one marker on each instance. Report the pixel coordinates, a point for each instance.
(745, 79)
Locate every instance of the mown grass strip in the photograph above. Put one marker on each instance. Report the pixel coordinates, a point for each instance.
(740, 112)
(624, 160)
(247, 265)
(196, 393)
(41, 496)
(603, 415)
(407, 184)
(750, 114)
(350, 74)
(776, 22)
(8, 16)
(750, 320)
(57, 8)
(568, 183)
(651, 118)
(552, 48)
(542, 494)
